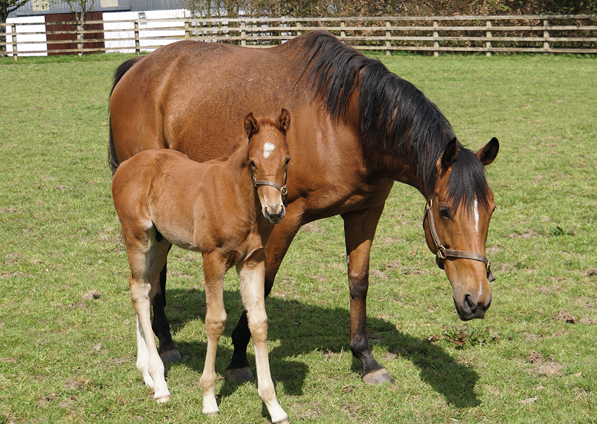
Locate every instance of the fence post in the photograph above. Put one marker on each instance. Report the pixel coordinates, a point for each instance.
(187, 30)
(388, 43)
(546, 35)
(488, 43)
(342, 32)
(79, 36)
(243, 34)
(298, 28)
(137, 43)
(436, 41)
(15, 53)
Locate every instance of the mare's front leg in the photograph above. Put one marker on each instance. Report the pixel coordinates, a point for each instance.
(214, 269)
(169, 352)
(359, 230)
(277, 246)
(252, 273)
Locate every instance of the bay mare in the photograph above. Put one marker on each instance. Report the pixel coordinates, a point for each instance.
(357, 128)
(223, 209)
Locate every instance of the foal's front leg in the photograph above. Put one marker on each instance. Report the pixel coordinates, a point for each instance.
(252, 275)
(215, 321)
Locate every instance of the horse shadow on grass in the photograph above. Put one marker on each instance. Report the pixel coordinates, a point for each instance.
(301, 328)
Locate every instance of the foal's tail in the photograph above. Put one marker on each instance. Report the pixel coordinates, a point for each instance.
(118, 74)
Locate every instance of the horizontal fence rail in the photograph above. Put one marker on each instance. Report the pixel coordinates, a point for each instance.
(432, 34)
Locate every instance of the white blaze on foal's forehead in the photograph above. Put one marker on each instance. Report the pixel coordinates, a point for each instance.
(268, 148)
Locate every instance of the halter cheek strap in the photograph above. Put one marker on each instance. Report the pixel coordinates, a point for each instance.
(443, 253)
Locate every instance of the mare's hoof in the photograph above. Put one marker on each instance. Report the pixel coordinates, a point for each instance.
(284, 421)
(172, 355)
(239, 374)
(163, 399)
(377, 377)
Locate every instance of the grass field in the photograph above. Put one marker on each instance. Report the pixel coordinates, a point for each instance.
(67, 328)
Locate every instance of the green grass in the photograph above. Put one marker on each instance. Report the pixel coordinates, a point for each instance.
(67, 358)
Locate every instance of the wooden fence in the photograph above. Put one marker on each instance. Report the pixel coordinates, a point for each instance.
(431, 35)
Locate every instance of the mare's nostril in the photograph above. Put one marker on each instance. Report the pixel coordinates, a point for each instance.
(468, 304)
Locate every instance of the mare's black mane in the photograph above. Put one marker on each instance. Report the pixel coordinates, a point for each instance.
(396, 117)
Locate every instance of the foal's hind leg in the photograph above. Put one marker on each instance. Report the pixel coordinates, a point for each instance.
(252, 273)
(146, 258)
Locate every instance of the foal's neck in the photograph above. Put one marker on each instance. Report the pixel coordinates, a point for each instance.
(240, 177)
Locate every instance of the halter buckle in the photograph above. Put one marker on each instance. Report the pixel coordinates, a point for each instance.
(441, 252)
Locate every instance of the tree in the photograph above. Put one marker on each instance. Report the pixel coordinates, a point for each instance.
(6, 8)
(80, 9)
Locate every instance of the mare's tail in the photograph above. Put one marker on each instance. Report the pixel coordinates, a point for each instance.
(118, 74)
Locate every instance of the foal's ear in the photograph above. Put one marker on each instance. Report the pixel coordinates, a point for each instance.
(284, 120)
(251, 125)
(488, 153)
(448, 157)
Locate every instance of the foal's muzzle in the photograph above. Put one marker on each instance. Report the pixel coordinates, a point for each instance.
(274, 213)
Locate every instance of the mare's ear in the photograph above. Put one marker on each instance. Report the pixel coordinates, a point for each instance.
(251, 125)
(488, 153)
(284, 120)
(448, 157)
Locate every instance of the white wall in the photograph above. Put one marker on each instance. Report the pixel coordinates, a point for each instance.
(25, 36)
(146, 38)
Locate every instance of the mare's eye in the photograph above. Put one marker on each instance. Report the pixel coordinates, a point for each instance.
(252, 164)
(444, 212)
(287, 161)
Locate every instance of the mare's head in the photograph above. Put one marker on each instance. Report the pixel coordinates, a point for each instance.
(457, 222)
(268, 161)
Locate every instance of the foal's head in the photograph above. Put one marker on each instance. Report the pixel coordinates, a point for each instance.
(457, 222)
(268, 160)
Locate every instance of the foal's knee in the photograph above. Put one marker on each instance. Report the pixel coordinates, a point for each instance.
(258, 325)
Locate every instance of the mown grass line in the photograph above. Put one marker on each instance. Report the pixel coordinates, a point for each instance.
(66, 355)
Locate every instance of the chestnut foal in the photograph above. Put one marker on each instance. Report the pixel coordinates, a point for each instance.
(223, 209)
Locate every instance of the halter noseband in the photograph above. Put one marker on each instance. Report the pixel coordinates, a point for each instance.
(283, 189)
(443, 253)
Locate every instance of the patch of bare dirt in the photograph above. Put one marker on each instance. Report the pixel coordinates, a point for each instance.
(92, 295)
(565, 316)
(544, 366)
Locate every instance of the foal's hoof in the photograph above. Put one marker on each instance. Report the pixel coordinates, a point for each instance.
(163, 399)
(239, 374)
(377, 377)
(172, 355)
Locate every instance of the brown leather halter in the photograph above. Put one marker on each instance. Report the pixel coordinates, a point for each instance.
(443, 253)
(283, 189)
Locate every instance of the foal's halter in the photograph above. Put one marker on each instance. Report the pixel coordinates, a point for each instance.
(283, 189)
(443, 253)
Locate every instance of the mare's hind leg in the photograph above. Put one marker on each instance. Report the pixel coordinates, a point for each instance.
(359, 230)
(169, 352)
(146, 258)
(252, 273)
(276, 248)
(215, 321)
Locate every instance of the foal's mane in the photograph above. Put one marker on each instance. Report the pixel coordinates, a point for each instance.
(396, 118)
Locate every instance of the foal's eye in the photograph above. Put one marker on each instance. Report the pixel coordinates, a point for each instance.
(287, 161)
(444, 212)
(252, 164)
